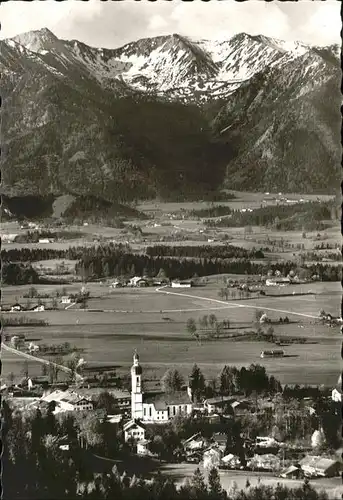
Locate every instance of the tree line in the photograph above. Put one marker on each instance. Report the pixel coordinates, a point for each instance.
(282, 217)
(118, 260)
(204, 251)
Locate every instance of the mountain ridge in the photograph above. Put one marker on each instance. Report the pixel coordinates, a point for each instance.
(168, 116)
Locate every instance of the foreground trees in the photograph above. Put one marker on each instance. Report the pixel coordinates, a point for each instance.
(35, 467)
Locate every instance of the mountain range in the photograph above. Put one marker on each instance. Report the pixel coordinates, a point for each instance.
(168, 116)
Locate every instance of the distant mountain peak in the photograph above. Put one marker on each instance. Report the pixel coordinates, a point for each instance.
(37, 40)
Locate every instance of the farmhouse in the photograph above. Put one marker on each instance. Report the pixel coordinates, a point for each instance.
(18, 341)
(292, 472)
(38, 308)
(219, 403)
(182, 284)
(67, 401)
(155, 407)
(336, 394)
(138, 281)
(212, 458)
(272, 354)
(134, 429)
(194, 443)
(143, 447)
(219, 440)
(116, 284)
(66, 299)
(122, 397)
(16, 308)
(277, 281)
(315, 466)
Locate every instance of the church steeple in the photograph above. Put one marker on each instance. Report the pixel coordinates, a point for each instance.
(136, 389)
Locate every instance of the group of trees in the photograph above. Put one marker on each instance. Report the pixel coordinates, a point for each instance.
(250, 380)
(204, 251)
(225, 293)
(208, 325)
(172, 381)
(18, 274)
(281, 217)
(212, 211)
(118, 260)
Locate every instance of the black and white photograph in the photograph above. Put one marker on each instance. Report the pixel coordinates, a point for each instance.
(171, 259)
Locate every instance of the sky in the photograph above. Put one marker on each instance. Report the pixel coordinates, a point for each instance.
(113, 23)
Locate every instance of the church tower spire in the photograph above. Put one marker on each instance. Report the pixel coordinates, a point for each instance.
(136, 389)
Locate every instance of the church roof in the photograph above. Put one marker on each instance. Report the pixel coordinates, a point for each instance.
(162, 400)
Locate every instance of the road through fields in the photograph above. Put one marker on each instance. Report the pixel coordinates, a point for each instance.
(232, 304)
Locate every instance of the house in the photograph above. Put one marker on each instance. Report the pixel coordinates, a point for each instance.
(114, 419)
(67, 401)
(316, 466)
(18, 341)
(143, 447)
(212, 458)
(194, 443)
(66, 299)
(218, 404)
(292, 472)
(182, 284)
(33, 347)
(134, 429)
(264, 462)
(230, 461)
(155, 407)
(220, 439)
(278, 281)
(265, 442)
(16, 308)
(336, 394)
(116, 284)
(138, 281)
(122, 397)
(38, 308)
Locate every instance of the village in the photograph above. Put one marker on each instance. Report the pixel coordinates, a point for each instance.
(192, 424)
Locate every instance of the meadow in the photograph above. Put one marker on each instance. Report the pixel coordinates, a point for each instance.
(155, 325)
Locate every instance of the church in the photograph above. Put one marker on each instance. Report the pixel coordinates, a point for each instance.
(155, 407)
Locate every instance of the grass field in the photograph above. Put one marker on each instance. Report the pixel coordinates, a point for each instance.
(179, 472)
(155, 321)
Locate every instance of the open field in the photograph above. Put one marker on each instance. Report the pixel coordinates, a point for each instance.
(14, 363)
(109, 338)
(242, 200)
(179, 472)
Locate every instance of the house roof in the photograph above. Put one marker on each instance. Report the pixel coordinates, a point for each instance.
(289, 470)
(64, 396)
(133, 423)
(338, 386)
(220, 400)
(162, 400)
(114, 419)
(191, 438)
(219, 437)
(318, 462)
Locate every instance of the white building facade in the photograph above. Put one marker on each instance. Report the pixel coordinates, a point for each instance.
(156, 407)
